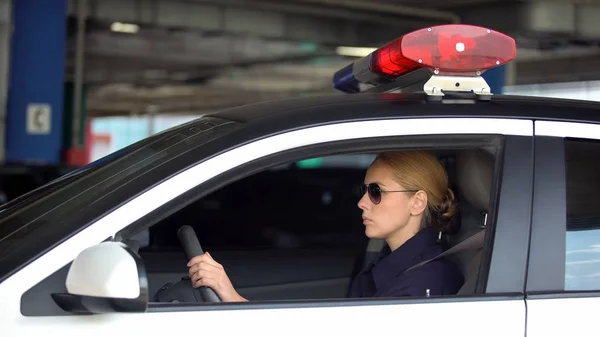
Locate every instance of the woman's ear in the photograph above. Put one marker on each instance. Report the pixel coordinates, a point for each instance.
(419, 203)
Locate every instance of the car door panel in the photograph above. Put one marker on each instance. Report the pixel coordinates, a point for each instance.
(555, 315)
(447, 318)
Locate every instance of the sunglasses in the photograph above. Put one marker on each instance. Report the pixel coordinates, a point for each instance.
(375, 192)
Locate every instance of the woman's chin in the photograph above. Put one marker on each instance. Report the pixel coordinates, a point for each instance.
(371, 233)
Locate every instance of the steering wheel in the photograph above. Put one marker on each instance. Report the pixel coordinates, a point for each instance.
(191, 247)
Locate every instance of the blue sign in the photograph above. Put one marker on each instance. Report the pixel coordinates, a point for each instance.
(34, 121)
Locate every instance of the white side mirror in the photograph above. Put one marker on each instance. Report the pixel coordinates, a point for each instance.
(107, 277)
(104, 270)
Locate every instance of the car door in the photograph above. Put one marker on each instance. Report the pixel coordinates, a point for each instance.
(563, 286)
(497, 310)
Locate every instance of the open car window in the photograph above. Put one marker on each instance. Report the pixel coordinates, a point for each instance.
(294, 231)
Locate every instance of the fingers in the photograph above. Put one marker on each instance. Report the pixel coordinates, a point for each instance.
(198, 275)
(205, 271)
(204, 282)
(202, 260)
(206, 257)
(204, 267)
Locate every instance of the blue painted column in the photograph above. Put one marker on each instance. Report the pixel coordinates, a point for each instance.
(34, 121)
(495, 78)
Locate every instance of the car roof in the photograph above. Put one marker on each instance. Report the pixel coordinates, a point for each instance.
(276, 116)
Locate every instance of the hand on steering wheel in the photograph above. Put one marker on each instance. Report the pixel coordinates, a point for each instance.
(206, 272)
(208, 277)
(191, 247)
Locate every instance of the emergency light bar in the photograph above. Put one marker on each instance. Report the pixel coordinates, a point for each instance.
(456, 55)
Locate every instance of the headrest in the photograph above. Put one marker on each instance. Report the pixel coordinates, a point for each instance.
(475, 171)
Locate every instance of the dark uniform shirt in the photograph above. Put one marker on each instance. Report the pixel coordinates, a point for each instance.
(386, 276)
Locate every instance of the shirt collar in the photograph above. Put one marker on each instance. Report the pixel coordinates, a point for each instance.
(390, 264)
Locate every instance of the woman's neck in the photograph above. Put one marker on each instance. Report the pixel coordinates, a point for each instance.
(398, 238)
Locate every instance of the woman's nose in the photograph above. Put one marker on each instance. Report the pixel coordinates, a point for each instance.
(364, 202)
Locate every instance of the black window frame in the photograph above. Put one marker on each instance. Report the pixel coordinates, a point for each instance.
(546, 266)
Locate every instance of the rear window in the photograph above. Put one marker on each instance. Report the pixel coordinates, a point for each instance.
(582, 269)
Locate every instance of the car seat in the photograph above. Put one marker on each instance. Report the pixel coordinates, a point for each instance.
(475, 172)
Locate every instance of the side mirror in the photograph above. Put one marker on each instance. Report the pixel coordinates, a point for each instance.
(107, 277)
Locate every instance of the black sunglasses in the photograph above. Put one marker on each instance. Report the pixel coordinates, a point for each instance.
(375, 192)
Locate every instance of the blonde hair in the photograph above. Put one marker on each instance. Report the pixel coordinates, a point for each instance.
(420, 170)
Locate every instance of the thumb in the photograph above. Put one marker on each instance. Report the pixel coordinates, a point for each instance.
(210, 258)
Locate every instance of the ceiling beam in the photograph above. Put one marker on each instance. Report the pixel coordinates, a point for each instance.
(564, 69)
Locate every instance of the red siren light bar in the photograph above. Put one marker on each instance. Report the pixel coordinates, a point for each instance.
(447, 50)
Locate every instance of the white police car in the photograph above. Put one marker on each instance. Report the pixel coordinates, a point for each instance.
(97, 252)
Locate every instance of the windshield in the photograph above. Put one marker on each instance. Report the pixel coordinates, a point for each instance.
(44, 217)
(36, 194)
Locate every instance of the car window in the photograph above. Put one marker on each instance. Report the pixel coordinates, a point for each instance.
(295, 225)
(293, 231)
(582, 269)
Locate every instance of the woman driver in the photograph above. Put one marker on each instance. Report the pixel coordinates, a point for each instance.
(406, 201)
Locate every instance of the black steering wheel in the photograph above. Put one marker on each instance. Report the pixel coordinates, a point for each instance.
(191, 247)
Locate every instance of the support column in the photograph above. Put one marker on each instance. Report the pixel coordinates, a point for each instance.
(75, 131)
(75, 109)
(5, 32)
(34, 124)
(511, 74)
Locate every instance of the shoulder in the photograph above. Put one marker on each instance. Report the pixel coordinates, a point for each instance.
(439, 277)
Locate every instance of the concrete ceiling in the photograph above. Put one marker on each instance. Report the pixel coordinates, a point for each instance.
(195, 56)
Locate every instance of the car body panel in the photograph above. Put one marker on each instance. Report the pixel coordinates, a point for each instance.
(267, 129)
(336, 319)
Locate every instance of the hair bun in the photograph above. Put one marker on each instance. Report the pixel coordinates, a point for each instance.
(446, 210)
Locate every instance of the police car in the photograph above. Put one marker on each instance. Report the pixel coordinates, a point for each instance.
(270, 190)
